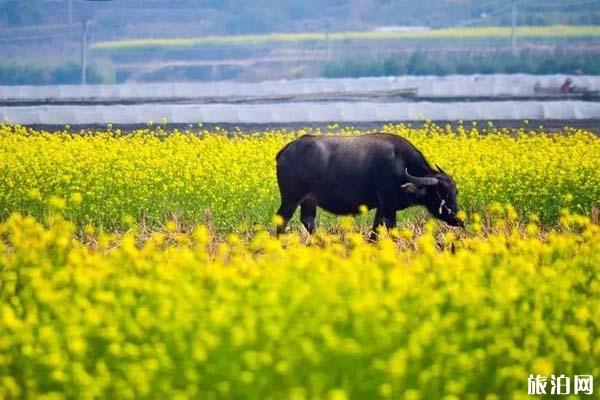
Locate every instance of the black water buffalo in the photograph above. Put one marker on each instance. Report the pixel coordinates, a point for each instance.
(341, 173)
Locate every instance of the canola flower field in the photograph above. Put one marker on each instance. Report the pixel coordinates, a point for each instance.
(143, 265)
(110, 179)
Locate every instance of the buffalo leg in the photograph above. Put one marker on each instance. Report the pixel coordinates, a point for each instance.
(390, 219)
(308, 214)
(286, 211)
(383, 217)
(377, 222)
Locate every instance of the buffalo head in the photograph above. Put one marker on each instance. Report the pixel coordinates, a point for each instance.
(437, 193)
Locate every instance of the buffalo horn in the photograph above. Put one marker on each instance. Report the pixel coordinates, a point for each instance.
(424, 181)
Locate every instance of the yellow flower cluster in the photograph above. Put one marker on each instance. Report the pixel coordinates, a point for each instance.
(183, 315)
(228, 180)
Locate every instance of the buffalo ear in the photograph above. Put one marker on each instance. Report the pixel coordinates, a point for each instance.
(411, 188)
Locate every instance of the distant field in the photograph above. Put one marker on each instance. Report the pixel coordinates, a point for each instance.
(557, 31)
